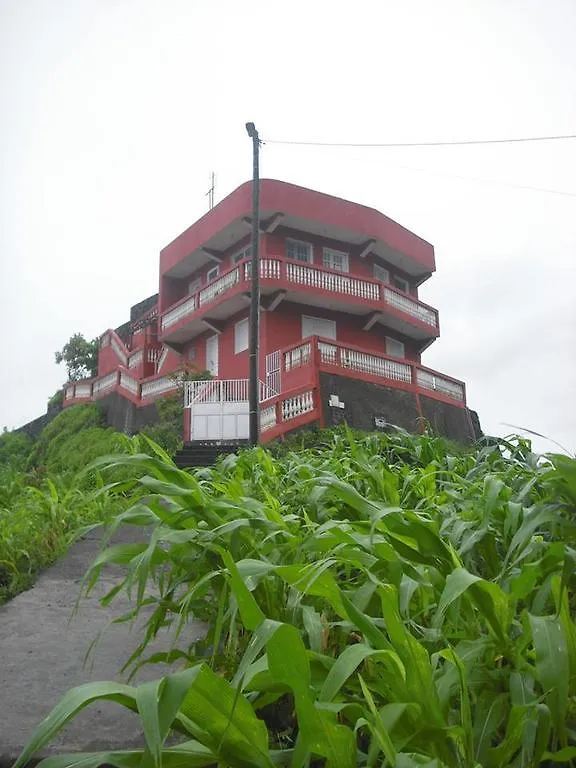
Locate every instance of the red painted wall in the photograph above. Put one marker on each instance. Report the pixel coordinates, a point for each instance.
(301, 202)
(275, 246)
(284, 327)
(107, 360)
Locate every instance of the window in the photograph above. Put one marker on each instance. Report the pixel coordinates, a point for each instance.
(318, 326)
(212, 274)
(191, 353)
(241, 336)
(335, 260)
(195, 285)
(400, 283)
(299, 251)
(245, 253)
(381, 273)
(394, 347)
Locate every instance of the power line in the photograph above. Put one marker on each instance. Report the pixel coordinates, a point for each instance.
(467, 142)
(484, 181)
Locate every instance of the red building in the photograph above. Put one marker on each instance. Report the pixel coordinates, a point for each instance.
(342, 329)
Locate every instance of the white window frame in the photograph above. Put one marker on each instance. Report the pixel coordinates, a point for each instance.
(396, 279)
(399, 345)
(195, 285)
(309, 319)
(243, 253)
(214, 271)
(309, 249)
(330, 254)
(379, 272)
(241, 341)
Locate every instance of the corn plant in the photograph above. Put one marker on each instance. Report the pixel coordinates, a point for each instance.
(382, 601)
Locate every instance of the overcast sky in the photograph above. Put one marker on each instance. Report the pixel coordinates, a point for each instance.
(113, 113)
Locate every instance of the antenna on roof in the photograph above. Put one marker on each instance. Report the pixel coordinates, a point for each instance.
(210, 193)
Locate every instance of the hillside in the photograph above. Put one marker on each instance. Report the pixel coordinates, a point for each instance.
(46, 496)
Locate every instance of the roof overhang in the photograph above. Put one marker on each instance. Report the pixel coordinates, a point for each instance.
(363, 230)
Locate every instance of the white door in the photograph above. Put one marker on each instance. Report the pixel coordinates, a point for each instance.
(318, 326)
(212, 351)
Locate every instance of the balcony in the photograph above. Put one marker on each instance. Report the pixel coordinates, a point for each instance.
(302, 284)
(298, 362)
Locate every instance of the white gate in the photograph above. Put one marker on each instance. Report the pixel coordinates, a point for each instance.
(218, 409)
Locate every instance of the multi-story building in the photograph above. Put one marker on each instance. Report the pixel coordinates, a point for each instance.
(342, 329)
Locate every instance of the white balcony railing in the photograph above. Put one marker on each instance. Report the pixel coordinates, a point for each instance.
(324, 280)
(298, 405)
(433, 381)
(332, 282)
(364, 362)
(83, 390)
(176, 314)
(269, 269)
(119, 351)
(157, 387)
(162, 359)
(410, 306)
(223, 391)
(221, 285)
(297, 357)
(129, 383)
(105, 383)
(135, 359)
(268, 418)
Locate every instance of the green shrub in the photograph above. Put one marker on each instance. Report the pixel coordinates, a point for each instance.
(54, 438)
(37, 523)
(15, 448)
(167, 432)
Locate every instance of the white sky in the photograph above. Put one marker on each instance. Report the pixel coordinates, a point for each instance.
(114, 112)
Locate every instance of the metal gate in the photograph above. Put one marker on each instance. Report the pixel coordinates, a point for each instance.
(218, 409)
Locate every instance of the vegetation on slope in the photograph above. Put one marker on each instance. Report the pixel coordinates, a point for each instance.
(379, 601)
(46, 496)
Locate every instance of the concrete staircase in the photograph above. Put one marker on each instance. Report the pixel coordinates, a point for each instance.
(204, 453)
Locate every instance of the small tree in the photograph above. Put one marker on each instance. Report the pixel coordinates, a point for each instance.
(80, 357)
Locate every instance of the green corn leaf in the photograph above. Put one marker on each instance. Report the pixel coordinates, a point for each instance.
(288, 664)
(488, 598)
(564, 756)
(347, 663)
(419, 675)
(147, 701)
(377, 726)
(313, 626)
(232, 730)
(552, 667)
(191, 754)
(489, 715)
(569, 628)
(365, 624)
(73, 702)
(250, 611)
(312, 580)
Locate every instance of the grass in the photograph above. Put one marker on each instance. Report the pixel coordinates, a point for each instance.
(46, 498)
(380, 600)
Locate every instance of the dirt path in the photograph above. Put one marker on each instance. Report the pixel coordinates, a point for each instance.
(42, 655)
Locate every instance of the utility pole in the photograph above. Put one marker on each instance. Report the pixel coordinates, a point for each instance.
(254, 323)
